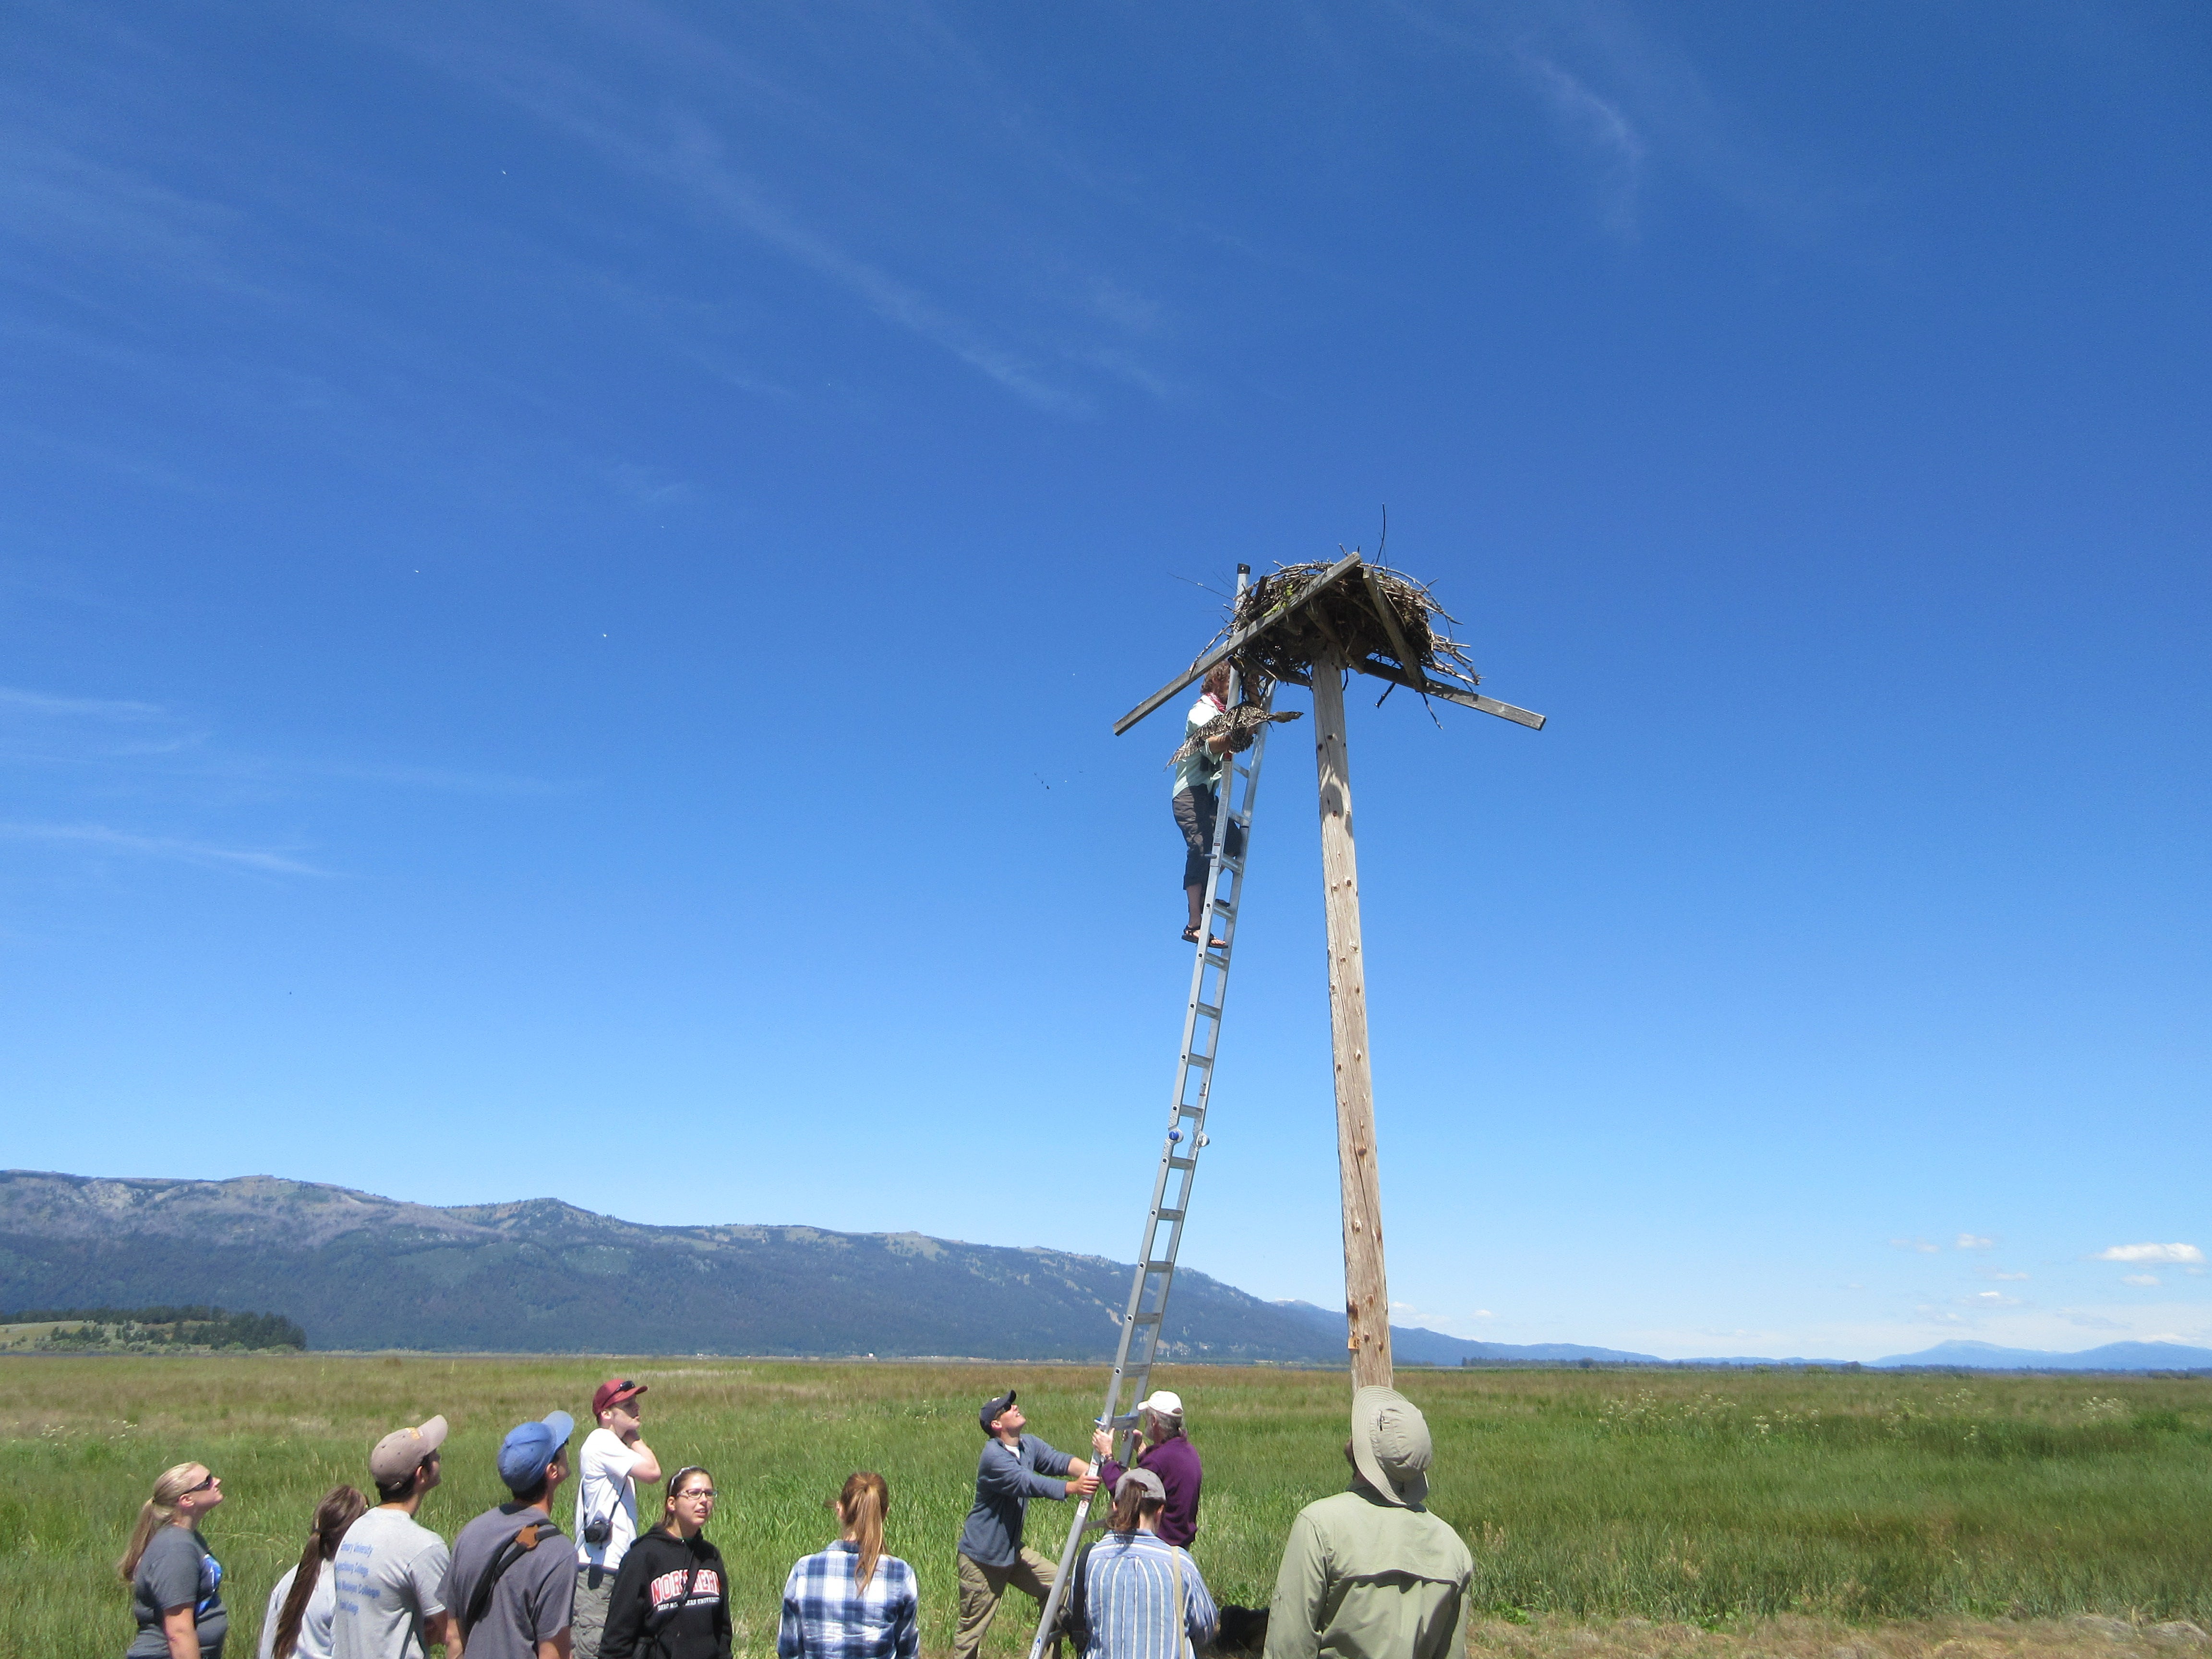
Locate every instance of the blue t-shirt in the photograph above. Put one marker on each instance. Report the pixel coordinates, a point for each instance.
(177, 1569)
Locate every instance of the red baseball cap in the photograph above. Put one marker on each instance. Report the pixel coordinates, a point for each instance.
(615, 1391)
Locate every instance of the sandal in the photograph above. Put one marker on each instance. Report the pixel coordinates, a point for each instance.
(1190, 936)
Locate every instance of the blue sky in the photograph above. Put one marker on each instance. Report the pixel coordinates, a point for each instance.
(565, 571)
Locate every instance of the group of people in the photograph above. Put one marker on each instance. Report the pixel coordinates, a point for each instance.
(374, 1583)
(1367, 1574)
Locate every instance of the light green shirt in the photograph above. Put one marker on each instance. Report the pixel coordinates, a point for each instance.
(1364, 1579)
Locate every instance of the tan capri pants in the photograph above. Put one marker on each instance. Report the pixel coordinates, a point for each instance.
(982, 1588)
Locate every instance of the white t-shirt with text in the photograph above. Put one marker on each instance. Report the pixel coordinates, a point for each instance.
(605, 1491)
(387, 1573)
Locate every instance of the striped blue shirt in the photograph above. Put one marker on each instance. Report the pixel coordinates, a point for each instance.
(827, 1615)
(1130, 1593)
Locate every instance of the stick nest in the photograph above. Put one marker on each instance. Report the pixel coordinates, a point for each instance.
(1241, 724)
(1343, 621)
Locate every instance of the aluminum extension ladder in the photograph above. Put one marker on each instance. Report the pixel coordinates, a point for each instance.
(1146, 1313)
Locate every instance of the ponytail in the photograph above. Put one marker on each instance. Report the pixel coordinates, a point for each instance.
(1132, 1502)
(861, 1506)
(157, 1511)
(340, 1507)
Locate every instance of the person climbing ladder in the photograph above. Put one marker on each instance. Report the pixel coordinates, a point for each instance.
(1196, 797)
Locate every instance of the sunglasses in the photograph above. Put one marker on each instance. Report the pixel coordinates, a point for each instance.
(204, 1486)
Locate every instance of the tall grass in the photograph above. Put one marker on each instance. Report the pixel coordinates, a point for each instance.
(1665, 1495)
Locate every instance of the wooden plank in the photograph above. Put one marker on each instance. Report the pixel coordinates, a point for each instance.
(1235, 641)
(1436, 688)
(1366, 1290)
(1388, 616)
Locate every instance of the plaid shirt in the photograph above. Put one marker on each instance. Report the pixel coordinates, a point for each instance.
(826, 1615)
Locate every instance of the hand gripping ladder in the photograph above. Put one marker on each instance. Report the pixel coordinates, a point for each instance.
(1144, 1319)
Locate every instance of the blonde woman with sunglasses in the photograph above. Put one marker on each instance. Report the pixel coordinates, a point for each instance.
(175, 1580)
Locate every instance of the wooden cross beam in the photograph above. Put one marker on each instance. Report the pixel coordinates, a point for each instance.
(1238, 640)
(1367, 1283)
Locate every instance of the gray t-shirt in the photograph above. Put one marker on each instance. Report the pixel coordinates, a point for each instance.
(176, 1569)
(535, 1597)
(388, 1569)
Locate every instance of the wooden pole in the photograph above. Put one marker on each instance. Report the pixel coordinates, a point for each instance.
(1366, 1289)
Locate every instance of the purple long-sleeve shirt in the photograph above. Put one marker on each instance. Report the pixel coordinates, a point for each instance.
(1175, 1461)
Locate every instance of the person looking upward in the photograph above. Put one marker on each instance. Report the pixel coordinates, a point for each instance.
(1370, 1573)
(513, 1581)
(614, 1459)
(389, 1565)
(175, 1580)
(297, 1624)
(1015, 1468)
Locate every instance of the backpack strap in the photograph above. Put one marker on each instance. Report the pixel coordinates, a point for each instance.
(517, 1546)
(1182, 1620)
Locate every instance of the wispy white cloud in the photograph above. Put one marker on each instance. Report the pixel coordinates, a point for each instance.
(677, 146)
(2138, 1279)
(2150, 1253)
(129, 736)
(2013, 1277)
(68, 206)
(446, 778)
(1991, 1299)
(101, 838)
(1920, 1245)
(61, 707)
(1601, 128)
(1629, 99)
(1973, 1241)
(46, 728)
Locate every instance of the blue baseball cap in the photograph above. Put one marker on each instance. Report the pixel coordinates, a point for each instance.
(529, 1448)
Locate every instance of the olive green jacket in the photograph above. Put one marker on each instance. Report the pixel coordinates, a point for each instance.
(1364, 1579)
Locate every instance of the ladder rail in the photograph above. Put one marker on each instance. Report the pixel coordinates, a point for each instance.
(1144, 1321)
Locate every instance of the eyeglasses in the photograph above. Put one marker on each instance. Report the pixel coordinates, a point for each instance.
(707, 1492)
(204, 1486)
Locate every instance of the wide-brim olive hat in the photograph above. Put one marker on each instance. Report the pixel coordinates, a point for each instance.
(1390, 1445)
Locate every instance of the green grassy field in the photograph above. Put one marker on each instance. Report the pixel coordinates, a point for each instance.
(1692, 1498)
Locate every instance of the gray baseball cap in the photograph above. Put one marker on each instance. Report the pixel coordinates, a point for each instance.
(1390, 1445)
(1143, 1481)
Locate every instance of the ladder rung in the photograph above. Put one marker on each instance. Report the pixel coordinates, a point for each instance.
(1191, 1057)
(1167, 1215)
(1167, 1267)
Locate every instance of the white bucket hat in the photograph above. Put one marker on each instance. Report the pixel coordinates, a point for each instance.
(1390, 1445)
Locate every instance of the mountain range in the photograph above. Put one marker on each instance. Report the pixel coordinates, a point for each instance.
(2113, 1357)
(540, 1276)
(360, 1272)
